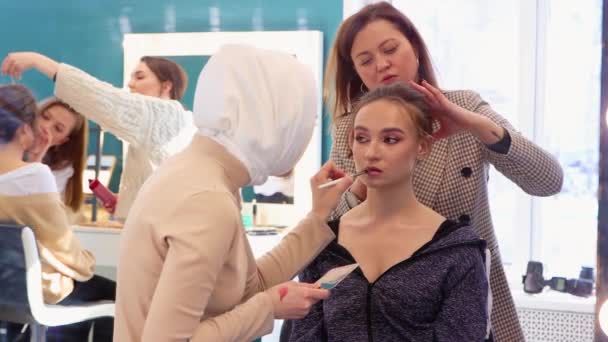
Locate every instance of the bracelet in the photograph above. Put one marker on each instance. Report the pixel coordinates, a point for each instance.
(351, 199)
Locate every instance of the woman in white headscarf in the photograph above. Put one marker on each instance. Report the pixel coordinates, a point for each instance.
(186, 270)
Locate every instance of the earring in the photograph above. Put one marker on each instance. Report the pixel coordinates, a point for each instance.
(361, 87)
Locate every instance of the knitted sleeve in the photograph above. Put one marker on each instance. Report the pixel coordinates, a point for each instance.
(143, 121)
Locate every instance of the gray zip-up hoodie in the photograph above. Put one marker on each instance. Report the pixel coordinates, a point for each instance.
(438, 294)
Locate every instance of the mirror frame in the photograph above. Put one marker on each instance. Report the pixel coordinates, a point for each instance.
(601, 291)
(306, 46)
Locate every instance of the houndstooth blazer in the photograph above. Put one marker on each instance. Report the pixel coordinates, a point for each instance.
(453, 180)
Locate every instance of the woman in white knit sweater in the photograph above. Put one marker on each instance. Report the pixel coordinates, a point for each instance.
(149, 118)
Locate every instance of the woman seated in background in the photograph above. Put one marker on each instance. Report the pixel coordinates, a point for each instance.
(28, 196)
(186, 269)
(66, 152)
(155, 125)
(421, 277)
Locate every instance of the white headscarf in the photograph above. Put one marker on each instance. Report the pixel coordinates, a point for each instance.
(260, 105)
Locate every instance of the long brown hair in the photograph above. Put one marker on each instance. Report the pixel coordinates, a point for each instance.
(71, 153)
(342, 84)
(168, 70)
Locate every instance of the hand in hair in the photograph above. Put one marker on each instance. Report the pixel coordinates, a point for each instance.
(451, 117)
(16, 63)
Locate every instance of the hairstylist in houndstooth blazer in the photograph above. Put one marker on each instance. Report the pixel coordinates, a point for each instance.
(379, 45)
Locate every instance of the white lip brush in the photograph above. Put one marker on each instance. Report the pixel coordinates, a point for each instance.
(335, 181)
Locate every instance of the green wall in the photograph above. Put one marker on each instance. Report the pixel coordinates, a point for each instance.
(88, 34)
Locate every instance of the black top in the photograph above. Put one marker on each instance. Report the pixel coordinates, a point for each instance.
(437, 294)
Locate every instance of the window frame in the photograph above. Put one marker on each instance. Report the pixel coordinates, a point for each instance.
(527, 222)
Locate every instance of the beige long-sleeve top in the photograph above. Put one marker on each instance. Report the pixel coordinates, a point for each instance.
(62, 257)
(154, 128)
(186, 269)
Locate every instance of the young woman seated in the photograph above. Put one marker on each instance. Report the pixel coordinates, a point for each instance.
(28, 196)
(420, 277)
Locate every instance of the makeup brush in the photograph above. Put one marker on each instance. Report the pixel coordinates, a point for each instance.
(335, 181)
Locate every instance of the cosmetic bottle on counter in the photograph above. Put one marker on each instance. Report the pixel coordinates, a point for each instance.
(104, 194)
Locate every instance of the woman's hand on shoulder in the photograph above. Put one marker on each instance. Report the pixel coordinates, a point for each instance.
(15, 63)
(325, 200)
(293, 300)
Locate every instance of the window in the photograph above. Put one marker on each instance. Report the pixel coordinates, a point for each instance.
(538, 64)
(568, 125)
